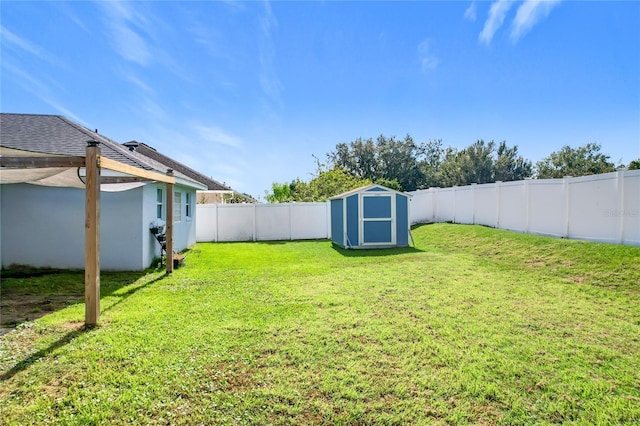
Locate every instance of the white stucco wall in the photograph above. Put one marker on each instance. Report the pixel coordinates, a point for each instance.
(44, 227)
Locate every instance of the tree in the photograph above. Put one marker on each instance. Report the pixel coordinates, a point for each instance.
(476, 162)
(386, 160)
(280, 193)
(479, 163)
(510, 166)
(326, 184)
(634, 165)
(238, 198)
(581, 161)
(433, 156)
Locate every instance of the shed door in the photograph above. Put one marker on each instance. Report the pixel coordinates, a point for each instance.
(378, 219)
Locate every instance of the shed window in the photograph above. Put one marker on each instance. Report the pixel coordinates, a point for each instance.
(177, 206)
(159, 203)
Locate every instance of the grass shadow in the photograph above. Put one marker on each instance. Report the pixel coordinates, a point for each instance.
(31, 293)
(394, 251)
(35, 357)
(134, 288)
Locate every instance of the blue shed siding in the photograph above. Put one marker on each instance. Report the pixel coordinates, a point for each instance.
(402, 220)
(352, 220)
(376, 207)
(337, 222)
(377, 232)
(370, 217)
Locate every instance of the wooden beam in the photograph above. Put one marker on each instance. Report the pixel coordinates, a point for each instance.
(107, 163)
(92, 237)
(121, 179)
(19, 162)
(169, 233)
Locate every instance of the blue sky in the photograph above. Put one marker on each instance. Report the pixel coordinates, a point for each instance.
(248, 92)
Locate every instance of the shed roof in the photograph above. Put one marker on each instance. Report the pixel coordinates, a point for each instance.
(367, 188)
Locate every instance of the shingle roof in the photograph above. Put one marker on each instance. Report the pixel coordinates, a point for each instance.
(54, 134)
(147, 151)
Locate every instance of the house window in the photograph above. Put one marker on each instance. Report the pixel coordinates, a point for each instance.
(177, 206)
(188, 207)
(159, 203)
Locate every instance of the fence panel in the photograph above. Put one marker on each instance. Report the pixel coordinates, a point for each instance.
(206, 220)
(445, 203)
(422, 206)
(272, 222)
(463, 204)
(547, 207)
(629, 212)
(262, 222)
(236, 222)
(486, 204)
(602, 207)
(590, 199)
(599, 208)
(310, 221)
(513, 206)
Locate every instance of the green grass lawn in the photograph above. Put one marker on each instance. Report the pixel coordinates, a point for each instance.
(474, 326)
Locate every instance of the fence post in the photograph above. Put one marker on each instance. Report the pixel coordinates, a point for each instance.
(434, 208)
(527, 203)
(473, 203)
(454, 203)
(620, 187)
(217, 224)
(290, 221)
(498, 184)
(567, 205)
(328, 212)
(254, 223)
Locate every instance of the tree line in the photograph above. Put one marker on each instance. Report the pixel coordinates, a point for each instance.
(405, 165)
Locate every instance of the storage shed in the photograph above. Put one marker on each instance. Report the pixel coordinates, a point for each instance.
(370, 217)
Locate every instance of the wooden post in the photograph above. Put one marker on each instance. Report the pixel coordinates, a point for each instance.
(169, 234)
(92, 236)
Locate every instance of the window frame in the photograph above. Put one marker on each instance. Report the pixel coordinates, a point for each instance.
(160, 201)
(177, 206)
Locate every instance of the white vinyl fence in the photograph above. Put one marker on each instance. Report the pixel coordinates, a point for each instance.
(262, 222)
(602, 207)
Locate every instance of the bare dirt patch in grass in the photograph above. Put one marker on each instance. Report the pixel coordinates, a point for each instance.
(16, 308)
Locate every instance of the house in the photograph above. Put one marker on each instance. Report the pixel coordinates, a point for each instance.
(216, 192)
(42, 221)
(372, 216)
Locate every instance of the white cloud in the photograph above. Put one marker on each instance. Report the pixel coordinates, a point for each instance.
(40, 89)
(65, 111)
(128, 43)
(470, 13)
(427, 60)
(496, 17)
(216, 135)
(529, 14)
(13, 40)
(269, 81)
(132, 77)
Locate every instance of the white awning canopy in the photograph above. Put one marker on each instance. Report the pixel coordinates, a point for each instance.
(20, 167)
